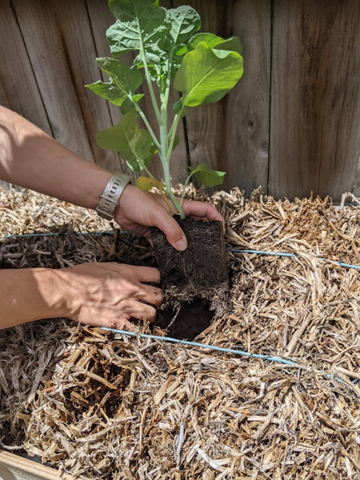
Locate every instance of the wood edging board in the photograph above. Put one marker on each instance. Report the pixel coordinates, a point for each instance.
(13, 467)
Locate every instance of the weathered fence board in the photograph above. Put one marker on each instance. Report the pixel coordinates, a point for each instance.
(100, 20)
(247, 116)
(315, 97)
(18, 88)
(61, 48)
(291, 125)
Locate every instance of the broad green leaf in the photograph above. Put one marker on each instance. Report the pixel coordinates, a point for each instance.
(147, 183)
(207, 177)
(132, 142)
(128, 105)
(123, 82)
(203, 77)
(185, 22)
(126, 78)
(141, 24)
(231, 44)
(109, 91)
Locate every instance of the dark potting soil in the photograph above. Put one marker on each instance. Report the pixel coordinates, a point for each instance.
(186, 321)
(203, 265)
(195, 282)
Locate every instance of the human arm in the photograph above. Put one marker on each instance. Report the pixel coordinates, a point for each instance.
(31, 159)
(102, 294)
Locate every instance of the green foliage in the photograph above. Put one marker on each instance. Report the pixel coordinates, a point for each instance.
(204, 77)
(168, 49)
(123, 82)
(132, 142)
(207, 177)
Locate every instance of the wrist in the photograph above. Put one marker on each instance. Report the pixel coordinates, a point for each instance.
(52, 287)
(96, 185)
(110, 198)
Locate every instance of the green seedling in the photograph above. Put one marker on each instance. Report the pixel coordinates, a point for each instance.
(169, 53)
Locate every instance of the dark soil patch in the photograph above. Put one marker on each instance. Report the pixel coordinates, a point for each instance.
(196, 281)
(187, 321)
(203, 265)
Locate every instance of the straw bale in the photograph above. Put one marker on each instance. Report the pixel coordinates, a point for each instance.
(105, 406)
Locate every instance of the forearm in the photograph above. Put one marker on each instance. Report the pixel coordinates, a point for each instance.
(31, 294)
(31, 159)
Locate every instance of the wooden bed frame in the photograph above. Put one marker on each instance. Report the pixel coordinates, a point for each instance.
(13, 467)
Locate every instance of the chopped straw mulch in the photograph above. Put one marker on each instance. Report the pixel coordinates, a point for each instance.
(107, 406)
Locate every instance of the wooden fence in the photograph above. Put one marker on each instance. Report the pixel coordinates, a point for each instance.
(291, 125)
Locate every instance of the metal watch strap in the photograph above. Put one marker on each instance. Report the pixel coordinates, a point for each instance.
(110, 197)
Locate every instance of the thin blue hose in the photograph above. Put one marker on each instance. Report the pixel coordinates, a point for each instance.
(285, 254)
(203, 345)
(218, 349)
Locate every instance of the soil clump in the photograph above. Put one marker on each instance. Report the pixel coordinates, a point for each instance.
(195, 282)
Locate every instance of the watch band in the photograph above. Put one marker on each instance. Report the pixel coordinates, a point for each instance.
(110, 197)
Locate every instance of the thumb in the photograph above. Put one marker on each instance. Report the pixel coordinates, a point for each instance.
(172, 230)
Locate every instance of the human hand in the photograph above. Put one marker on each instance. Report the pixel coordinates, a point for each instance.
(109, 294)
(139, 210)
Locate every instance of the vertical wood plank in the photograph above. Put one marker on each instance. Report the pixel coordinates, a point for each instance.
(100, 19)
(18, 88)
(356, 189)
(62, 52)
(315, 114)
(248, 104)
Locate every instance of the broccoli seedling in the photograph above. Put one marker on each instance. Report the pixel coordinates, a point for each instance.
(202, 67)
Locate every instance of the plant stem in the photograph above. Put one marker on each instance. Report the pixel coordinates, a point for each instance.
(147, 124)
(185, 185)
(148, 79)
(166, 168)
(173, 130)
(144, 167)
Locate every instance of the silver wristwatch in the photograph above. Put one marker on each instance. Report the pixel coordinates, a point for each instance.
(110, 197)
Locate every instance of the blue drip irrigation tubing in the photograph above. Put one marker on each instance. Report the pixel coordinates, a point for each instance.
(204, 345)
(221, 349)
(196, 344)
(285, 254)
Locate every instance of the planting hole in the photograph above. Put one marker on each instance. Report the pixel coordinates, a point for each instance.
(187, 322)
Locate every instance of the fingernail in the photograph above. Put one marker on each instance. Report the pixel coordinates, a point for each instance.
(181, 245)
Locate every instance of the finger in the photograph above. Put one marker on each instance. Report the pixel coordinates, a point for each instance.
(169, 226)
(200, 209)
(150, 294)
(141, 311)
(147, 235)
(202, 219)
(122, 324)
(147, 274)
(142, 274)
